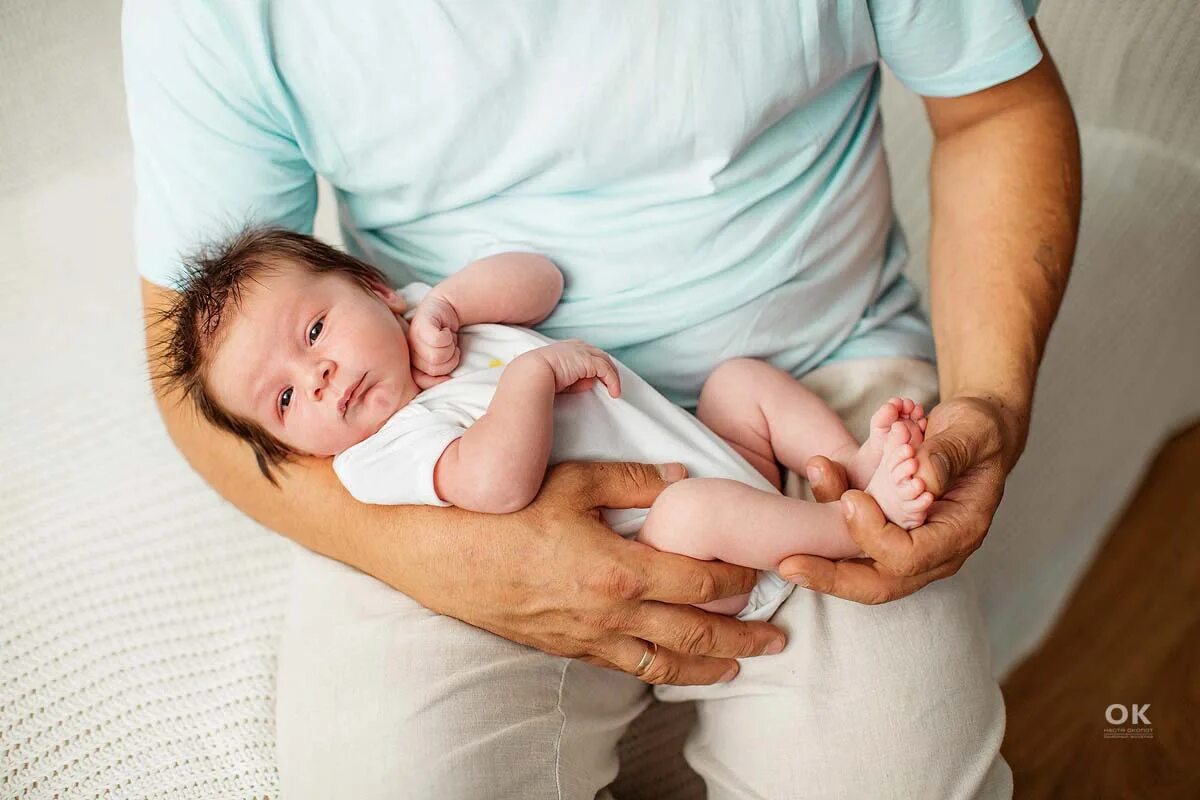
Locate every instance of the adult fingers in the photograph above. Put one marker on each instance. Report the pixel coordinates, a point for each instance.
(675, 578)
(667, 666)
(827, 478)
(964, 435)
(863, 580)
(948, 455)
(693, 631)
(900, 551)
(611, 484)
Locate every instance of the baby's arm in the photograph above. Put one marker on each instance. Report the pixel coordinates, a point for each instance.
(497, 466)
(509, 288)
(512, 288)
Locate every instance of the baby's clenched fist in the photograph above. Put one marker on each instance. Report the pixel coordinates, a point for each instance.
(433, 337)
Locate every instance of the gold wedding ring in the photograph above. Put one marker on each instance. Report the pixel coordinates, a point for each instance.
(647, 659)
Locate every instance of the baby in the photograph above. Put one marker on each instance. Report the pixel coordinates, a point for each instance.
(444, 396)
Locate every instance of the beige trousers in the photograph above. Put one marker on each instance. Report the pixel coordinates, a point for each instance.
(380, 698)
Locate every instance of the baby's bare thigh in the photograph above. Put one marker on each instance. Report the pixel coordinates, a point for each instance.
(759, 408)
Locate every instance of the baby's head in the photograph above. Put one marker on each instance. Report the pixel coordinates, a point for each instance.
(274, 332)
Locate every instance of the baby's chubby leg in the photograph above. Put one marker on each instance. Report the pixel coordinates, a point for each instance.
(716, 518)
(752, 406)
(768, 416)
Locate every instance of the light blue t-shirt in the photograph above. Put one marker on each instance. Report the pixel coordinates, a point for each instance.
(708, 175)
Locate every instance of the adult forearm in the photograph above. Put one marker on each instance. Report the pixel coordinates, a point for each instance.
(1005, 215)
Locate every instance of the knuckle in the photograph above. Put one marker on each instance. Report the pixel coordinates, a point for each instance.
(615, 580)
(877, 597)
(663, 671)
(699, 640)
(707, 587)
(569, 475)
(633, 474)
(613, 621)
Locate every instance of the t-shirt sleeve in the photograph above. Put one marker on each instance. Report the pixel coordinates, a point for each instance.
(395, 465)
(212, 144)
(948, 48)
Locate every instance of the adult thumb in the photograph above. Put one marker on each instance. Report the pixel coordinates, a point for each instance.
(629, 484)
(943, 457)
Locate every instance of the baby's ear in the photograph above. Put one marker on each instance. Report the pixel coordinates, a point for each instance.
(388, 295)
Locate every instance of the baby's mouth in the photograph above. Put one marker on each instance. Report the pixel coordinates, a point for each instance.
(348, 396)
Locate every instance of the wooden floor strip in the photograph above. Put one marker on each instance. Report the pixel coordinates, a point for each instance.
(1130, 636)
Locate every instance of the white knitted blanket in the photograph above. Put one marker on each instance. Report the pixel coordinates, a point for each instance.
(139, 615)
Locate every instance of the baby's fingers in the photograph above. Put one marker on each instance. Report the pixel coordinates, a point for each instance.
(607, 373)
(435, 355)
(584, 385)
(443, 365)
(434, 335)
(426, 381)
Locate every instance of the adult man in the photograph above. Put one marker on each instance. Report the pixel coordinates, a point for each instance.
(712, 183)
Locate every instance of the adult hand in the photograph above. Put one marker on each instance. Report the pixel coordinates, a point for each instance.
(555, 577)
(970, 446)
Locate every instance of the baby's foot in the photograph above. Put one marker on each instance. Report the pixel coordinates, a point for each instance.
(861, 466)
(895, 485)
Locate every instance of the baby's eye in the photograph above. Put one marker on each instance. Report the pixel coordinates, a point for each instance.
(285, 399)
(315, 330)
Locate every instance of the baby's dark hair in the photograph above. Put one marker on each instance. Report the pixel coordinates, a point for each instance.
(212, 281)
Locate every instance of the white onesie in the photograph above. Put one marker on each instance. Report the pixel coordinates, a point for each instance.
(394, 466)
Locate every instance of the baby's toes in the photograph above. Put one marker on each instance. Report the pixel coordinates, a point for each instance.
(911, 488)
(898, 435)
(913, 513)
(916, 435)
(907, 407)
(906, 469)
(917, 412)
(885, 416)
(919, 504)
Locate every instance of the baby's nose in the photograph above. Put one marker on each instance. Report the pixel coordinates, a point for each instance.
(321, 385)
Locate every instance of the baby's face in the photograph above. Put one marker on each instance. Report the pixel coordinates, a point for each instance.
(298, 345)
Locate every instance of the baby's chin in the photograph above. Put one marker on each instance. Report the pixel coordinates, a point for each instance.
(370, 426)
(329, 448)
(382, 406)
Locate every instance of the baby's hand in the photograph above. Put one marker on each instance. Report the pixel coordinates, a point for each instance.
(433, 339)
(577, 366)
